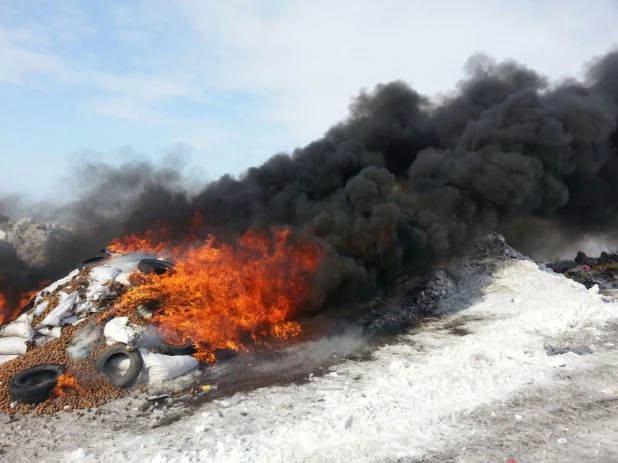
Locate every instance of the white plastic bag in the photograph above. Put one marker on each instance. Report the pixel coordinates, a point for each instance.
(116, 330)
(119, 363)
(20, 330)
(165, 367)
(12, 346)
(103, 274)
(64, 309)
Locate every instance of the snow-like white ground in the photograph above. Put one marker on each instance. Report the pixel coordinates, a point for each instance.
(475, 385)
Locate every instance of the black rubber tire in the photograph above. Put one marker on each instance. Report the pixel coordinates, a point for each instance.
(103, 255)
(161, 347)
(148, 266)
(33, 385)
(166, 348)
(117, 378)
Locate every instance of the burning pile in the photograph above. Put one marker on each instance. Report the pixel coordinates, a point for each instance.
(403, 183)
(207, 296)
(223, 296)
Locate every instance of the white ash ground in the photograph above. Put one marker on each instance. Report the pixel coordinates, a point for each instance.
(429, 395)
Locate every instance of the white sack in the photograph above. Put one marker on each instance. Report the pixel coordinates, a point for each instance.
(103, 274)
(116, 330)
(24, 318)
(54, 286)
(64, 309)
(119, 363)
(12, 346)
(164, 367)
(7, 358)
(20, 330)
(39, 309)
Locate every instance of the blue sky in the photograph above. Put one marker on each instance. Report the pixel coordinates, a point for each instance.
(226, 84)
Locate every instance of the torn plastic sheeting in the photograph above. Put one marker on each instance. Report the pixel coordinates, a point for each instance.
(7, 358)
(116, 330)
(13, 346)
(165, 367)
(20, 330)
(64, 309)
(104, 274)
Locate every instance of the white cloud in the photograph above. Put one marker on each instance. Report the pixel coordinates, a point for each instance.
(20, 61)
(309, 57)
(302, 60)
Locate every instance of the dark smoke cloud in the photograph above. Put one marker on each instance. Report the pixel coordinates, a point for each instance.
(403, 181)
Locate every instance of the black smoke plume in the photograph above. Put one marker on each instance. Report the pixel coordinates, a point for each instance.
(402, 182)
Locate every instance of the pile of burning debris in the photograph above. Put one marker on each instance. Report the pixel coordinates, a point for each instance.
(140, 313)
(590, 271)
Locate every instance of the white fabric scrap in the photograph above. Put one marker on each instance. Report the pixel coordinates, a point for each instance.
(165, 367)
(65, 309)
(116, 330)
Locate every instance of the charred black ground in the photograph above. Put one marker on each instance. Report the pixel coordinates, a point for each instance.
(401, 183)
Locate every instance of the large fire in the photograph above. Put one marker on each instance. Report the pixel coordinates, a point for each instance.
(222, 296)
(11, 306)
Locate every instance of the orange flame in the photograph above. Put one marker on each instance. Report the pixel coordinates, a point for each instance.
(221, 296)
(11, 306)
(134, 243)
(3, 308)
(65, 384)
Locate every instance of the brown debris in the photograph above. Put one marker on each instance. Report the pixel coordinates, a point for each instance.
(96, 389)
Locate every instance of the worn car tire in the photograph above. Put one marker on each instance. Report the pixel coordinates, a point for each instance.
(33, 385)
(148, 266)
(103, 255)
(159, 346)
(166, 348)
(116, 377)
